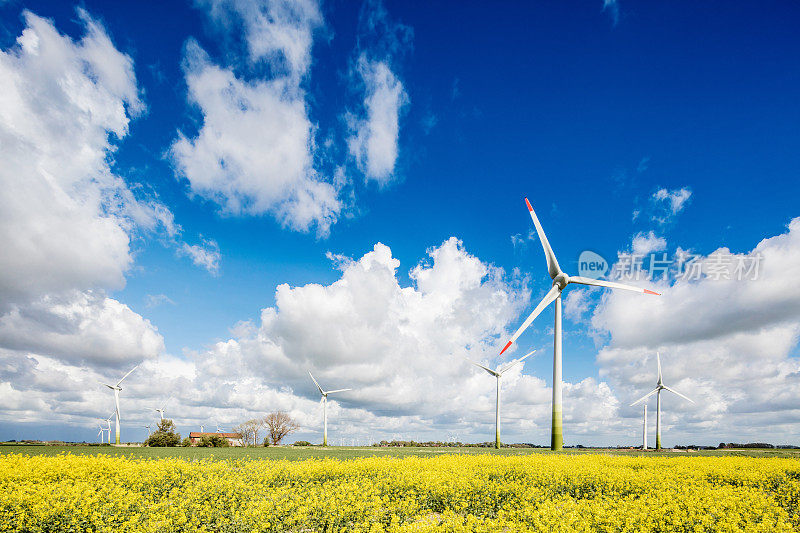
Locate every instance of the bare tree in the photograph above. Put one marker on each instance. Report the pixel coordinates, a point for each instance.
(279, 424)
(249, 431)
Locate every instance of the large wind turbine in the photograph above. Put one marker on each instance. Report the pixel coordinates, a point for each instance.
(497, 373)
(116, 388)
(325, 408)
(560, 281)
(657, 391)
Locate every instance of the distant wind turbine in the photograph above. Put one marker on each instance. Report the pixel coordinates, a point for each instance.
(497, 373)
(162, 410)
(325, 408)
(106, 428)
(116, 388)
(560, 281)
(657, 391)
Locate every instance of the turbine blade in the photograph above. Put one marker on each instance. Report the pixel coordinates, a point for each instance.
(315, 383)
(679, 394)
(610, 284)
(658, 359)
(106, 384)
(552, 265)
(337, 390)
(646, 396)
(548, 298)
(515, 363)
(489, 370)
(128, 374)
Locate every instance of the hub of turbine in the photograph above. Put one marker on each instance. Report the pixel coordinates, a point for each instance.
(561, 280)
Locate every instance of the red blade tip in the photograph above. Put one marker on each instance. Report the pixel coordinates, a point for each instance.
(652, 292)
(505, 348)
(529, 205)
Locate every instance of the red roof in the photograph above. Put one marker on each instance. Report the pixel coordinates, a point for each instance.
(197, 435)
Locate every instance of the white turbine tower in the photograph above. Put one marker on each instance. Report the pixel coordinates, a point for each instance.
(560, 281)
(644, 429)
(325, 408)
(497, 373)
(657, 391)
(116, 388)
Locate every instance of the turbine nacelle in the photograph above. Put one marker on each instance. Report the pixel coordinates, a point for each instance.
(561, 281)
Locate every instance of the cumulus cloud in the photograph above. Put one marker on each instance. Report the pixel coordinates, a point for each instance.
(84, 328)
(62, 104)
(254, 152)
(66, 219)
(726, 338)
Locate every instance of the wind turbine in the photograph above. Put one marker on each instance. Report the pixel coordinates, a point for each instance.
(106, 428)
(560, 281)
(497, 373)
(325, 407)
(657, 391)
(116, 388)
(163, 407)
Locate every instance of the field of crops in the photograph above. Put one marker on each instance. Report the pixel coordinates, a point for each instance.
(535, 492)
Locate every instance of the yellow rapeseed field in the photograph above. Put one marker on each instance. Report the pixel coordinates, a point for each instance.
(538, 492)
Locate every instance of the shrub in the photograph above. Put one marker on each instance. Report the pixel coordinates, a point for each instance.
(213, 441)
(186, 442)
(302, 443)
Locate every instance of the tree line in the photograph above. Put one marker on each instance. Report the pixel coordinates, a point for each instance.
(277, 426)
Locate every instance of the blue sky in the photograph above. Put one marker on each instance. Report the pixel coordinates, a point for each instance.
(587, 110)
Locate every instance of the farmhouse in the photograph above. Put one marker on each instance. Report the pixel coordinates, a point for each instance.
(234, 439)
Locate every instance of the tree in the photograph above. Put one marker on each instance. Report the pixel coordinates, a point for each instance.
(249, 431)
(279, 424)
(165, 435)
(186, 442)
(213, 441)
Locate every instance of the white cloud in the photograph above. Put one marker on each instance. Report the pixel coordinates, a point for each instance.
(647, 243)
(577, 303)
(668, 203)
(375, 129)
(154, 300)
(61, 204)
(612, 6)
(66, 219)
(204, 255)
(278, 31)
(81, 327)
(374, 140)
(254, 153)
(727, 343)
